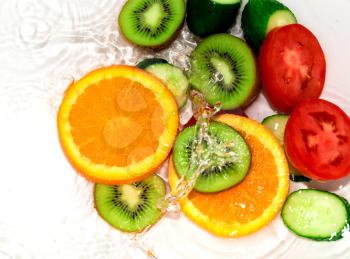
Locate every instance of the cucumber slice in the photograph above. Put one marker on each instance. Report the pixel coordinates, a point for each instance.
(277, 125)
(261, 16)
(151, 61)
(207, 17)
(317, 215)
(174, 78)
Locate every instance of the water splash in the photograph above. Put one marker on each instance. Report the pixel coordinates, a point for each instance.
(199, 160)
(206, 151)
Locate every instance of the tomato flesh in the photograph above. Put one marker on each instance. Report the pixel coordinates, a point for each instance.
(292, 66)
(317, 140)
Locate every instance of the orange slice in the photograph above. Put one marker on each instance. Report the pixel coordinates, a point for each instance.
(117, 124)
(252, 204)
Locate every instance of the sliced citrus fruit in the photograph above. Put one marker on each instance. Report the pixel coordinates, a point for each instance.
(117, 124)
(252, 204)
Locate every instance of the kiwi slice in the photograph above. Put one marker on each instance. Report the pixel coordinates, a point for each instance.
(221, 172)
(151, 23)
(223, 68)
(130, 207)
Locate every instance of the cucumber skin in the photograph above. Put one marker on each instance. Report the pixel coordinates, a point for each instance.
(205, 17)
(151, 61)
(347, 205)
(255, 18)
(268, 118)
(298, 178)
(340, 234)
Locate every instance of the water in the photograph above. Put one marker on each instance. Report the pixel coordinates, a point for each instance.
(47, 208)
(170, 203)
(198, 160)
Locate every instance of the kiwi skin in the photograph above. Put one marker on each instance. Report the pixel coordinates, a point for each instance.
(257, 86)
(124, 231)
(156, 48)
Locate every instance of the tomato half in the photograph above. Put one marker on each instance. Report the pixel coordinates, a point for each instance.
(317, 140)
(292, 66)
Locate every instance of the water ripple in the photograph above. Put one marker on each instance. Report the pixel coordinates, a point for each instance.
(52, 43)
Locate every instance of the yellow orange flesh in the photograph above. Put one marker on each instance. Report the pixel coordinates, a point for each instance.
(117, 124)
(252, 204)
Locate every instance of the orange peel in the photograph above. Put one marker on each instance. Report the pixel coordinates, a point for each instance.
(252, 204)
(117, 124)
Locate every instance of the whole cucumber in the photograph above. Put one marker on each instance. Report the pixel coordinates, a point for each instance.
(207, 17)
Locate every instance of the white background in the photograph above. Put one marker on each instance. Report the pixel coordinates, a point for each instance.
(46, 209)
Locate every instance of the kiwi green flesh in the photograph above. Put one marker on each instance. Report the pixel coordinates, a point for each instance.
(174, 78)
(151, 23)
(150, 61)
(223, 68)
(222, 173)
(130, 207)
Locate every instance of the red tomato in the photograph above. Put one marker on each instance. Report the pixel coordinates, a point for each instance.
(292, 66)
(317, 140)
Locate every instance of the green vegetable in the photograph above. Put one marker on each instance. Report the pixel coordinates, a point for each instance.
(151, 61)
(261, 16)
(277, 125)
(172, 76)
(207, 17)
(317, 215)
